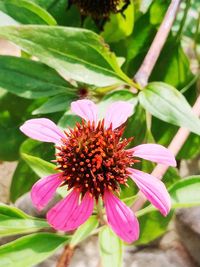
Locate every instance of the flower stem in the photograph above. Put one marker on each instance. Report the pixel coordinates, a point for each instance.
(65, 257)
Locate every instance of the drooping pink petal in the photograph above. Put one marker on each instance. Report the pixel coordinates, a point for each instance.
(154, 190)
(44, 189)
(42, 130)
(80, 214)
(85, 109)
(120, 218)
(118, 113)
(59, 214)
(155, 153)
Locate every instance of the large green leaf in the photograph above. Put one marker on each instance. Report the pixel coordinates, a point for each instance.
(39, 166)
(24, 177)
(136, 126)
(13, 221)
(38, 149)
(22, 180)
(75, 53)
(111, 248)
(57, 103)
(84, 230)
(29, 250)
(184, 193)
(13, 110)
(10, 136)
(166, 103)
(173, 66)
(63, 15)
(26, 12)
(12, 212)
(30, 79)
(152, 226)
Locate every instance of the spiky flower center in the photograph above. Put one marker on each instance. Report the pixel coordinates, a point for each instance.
(93, 158)
(98, 8)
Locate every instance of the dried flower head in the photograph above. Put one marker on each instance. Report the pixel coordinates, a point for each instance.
(93, 162)
(99, 9)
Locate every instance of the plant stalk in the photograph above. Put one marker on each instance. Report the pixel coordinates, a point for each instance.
(66, 256)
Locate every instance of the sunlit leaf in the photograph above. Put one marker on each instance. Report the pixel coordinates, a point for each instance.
(168, 104)
(111, 248)
(78, 54)
(30, 250)
(26, 12)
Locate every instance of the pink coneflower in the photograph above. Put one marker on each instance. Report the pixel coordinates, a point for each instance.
(93, 163)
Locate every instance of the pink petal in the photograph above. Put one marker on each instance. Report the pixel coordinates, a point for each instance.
(85, 109)
(153, 152)
(44, 189)
(80, 214)
(154, 190)
(118, 113)
(42, 130)
(120, 218)
(60, 213)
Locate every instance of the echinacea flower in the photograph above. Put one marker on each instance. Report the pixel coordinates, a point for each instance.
(99, 9)
(93, 162)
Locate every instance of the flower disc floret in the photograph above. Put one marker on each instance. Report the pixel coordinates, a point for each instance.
(93, 159)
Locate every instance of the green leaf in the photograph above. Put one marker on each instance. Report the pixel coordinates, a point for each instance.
(12, 212)
(39, 166)
(38, 149)
(30, 250)
(152, 226)
(75, 53)
(26, 12)
(191, 148)
(173, 66)
(6, 20)
(13, 110)
(171, 177)
(30, 79)
(179, 196)
(13, 221)
(166, 103)
(185, 193)
(84, 230)
(68, 120)
(57, 103)
(123, 24)
(10, 136)
(111, 248)
(158, 10)
(59, 11)
(136, 126)
(22, 180)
